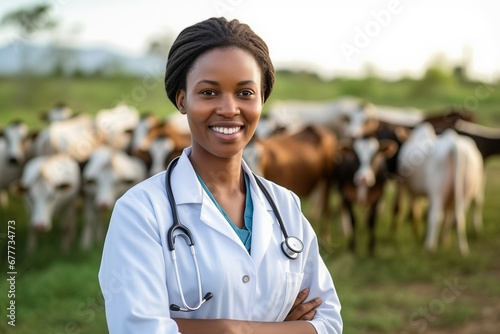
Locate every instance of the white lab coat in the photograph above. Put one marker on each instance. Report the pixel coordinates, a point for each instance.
(137, 277)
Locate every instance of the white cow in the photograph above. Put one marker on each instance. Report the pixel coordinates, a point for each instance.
(365, 120)
(15, 149)
(108, 174)
(447, 170)
(59, 112)
(52, 184)
(117, 125)
(295, 115)
(140, 132)
(76, 136)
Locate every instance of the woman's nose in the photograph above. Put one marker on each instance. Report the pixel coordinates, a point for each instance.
(228, 107)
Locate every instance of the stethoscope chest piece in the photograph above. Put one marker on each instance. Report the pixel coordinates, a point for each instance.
(292, 247)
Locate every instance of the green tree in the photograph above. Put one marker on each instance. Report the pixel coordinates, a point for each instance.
(28, 21)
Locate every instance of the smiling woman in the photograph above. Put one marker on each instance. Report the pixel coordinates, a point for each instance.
(249, 271)
(224, 103)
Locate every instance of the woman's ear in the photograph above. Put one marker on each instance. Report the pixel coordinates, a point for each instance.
(180, 98)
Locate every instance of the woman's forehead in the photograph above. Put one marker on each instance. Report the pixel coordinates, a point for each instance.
(233, 61)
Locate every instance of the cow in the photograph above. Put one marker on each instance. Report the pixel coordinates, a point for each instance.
(76, 136)
(448, 170)
(372, 119)
(302, 162)
(447, 119)
(59, 112)
(116, 125)
(369, 118)
(486, 138)
(394, 123)
(293, 115)
(15, 150)
(146, 123)
(51, 184)
(108, 174)
(164, 141)
(361, 175)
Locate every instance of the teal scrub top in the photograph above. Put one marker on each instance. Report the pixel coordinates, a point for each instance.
(245, 233)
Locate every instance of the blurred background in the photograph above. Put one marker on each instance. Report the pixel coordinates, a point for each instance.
(430, 56)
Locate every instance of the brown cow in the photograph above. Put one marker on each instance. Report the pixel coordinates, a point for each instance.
(302, 162)
(487, 139)
(164, 142)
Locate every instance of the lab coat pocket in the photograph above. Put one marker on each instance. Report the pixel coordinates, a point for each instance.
(293, 283)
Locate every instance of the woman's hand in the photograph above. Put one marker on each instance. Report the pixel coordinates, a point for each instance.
(301, 310)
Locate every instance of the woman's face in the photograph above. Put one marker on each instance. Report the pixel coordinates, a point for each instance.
(223, 101)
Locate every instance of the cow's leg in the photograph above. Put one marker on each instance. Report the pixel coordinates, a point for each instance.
(461, 227)
(99, 226)
(88, 222)
(434, 220)
(348, 223)
(68, 228)
(397, 210)
(32, 241)
(324, 219)
(4, 198)
(478, 203)
(448, 224)
(372, 216)
(416, 215)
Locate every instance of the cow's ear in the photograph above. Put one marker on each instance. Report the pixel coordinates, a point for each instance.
(371, 126)
(388, 148)
(402, 133)
(345, 145)
(344, 118)
(17, 188)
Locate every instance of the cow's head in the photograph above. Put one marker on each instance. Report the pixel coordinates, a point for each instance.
(361, 122)
(17, 139)
(50, 184)
(108, 174)
(369, 160)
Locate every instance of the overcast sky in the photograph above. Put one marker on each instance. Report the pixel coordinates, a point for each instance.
(333, 37)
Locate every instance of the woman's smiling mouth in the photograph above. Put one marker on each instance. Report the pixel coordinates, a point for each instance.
(226, 130)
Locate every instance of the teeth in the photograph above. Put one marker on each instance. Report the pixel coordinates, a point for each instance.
(226, 131)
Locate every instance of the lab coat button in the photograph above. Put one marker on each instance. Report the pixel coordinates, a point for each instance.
(246, 279)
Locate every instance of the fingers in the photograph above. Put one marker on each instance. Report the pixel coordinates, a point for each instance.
(301, 310)
(301, 297)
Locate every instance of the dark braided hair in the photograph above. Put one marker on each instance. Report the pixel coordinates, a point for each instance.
(208, 35)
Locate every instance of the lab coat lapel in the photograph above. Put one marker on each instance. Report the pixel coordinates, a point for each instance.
(211, 216)
(188, 191)
(262, 228)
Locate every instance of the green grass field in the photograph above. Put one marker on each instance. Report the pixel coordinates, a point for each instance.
(400, 290)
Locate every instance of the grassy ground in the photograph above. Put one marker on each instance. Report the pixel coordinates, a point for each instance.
(400, 290)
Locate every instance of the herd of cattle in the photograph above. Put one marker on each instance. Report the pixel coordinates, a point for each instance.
(82, 163)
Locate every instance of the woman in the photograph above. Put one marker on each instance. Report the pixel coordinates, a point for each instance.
(219, 75)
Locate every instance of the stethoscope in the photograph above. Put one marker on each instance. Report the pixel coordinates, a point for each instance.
(291, 246)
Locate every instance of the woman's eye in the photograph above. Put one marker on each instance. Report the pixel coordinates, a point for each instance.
(208, 92)
(245, 92)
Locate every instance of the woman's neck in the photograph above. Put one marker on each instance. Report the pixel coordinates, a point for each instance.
(221, 175)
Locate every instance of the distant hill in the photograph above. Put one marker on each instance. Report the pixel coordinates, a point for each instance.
(46, 59)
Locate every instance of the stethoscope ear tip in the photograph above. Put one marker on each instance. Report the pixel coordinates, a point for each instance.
(174, 307)
(208, 296)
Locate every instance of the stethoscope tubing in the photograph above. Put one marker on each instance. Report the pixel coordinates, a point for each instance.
(291, 246)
